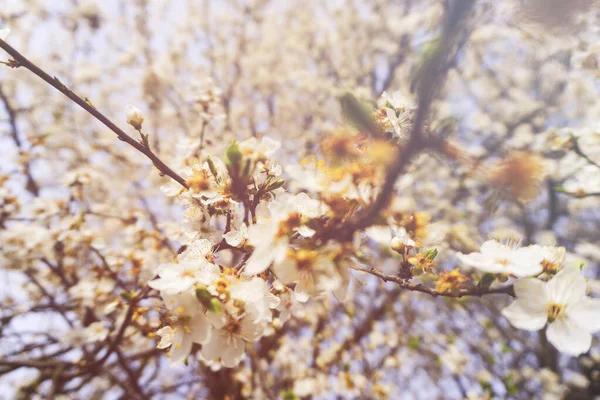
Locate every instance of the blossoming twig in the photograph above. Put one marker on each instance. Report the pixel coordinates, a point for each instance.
(476, 292)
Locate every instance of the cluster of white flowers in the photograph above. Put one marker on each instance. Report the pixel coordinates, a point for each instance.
(211, 307)
(235, 205)
(546, 292)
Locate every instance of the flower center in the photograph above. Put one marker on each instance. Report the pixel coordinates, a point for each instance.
(555, 311)
(305, 259)
(233, 327)
(199, 181)
(549, 266)
(222, 285)
(504, 262)
(287, 226)
(187, 273)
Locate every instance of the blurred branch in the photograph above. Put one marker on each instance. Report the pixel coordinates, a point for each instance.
(31, 185)
(428, 80)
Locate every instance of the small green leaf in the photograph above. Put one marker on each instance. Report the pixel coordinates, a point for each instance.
(233, 155)
(560, 189)
(358, 114)
(203, 295)
(211, 166)
(414, 342)
(215, 306)
(487, 279)
(288, 395)
(276, 184)
(431, 254)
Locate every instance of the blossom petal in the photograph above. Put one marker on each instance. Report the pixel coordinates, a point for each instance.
(586, 313)
(200, 329)
(568, 338)
(259, 261)
(286, 271)
(214, 347)
(567, 287)
(493, 248)
(522, 317)
(233, 354)
(380, 234)
(477, 260)
(304, 287)
(531, 294)
(182, 345)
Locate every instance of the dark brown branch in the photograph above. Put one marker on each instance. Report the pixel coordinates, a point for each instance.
(22, 61)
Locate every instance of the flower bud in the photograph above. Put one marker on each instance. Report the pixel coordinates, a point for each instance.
(397, 244)
(134, 117)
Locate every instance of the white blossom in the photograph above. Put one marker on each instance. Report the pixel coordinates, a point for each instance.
(562, 302)
(497, 258)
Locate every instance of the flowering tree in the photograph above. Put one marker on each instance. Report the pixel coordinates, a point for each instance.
(383, 199)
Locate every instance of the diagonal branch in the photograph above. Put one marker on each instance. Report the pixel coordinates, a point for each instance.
(436, 63)
(22, 61)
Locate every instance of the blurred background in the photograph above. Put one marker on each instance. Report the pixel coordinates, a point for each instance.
(522, 91)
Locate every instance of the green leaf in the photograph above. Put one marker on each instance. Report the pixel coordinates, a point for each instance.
(431, 254)
(414, 342)
(211, 166)
(358, 114)
(276, 184)
(215, 306)
(288, 395)
(233, 155)
(203, 295)
(560, 189)
(487, 279)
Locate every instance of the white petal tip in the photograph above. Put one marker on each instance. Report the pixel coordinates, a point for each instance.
(4, 33)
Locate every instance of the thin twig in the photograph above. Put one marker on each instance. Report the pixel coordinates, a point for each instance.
(403, 283)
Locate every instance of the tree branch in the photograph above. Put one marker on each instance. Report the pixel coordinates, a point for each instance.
(22, 61)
